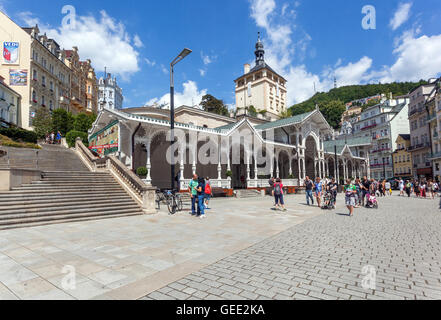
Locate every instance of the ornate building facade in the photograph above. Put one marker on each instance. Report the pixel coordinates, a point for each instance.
(261, 87)
(240, 152)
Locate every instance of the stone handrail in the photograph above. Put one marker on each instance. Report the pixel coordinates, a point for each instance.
(140, 192)
(89, 159)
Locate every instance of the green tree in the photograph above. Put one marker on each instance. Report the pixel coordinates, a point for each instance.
(332, 111)
(251, 111)
(62, 121)
(82, 122)
(42, 122)
(213, 105)
(285, 114)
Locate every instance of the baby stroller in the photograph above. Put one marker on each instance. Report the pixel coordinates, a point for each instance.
(372, 202)
(328, 201)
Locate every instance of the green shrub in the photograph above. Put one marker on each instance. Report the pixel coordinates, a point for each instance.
(7, 142)
(141, 171)
(229, 173)
(20, 135)
(71, 136)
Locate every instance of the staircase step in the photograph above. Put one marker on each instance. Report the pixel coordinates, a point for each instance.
(25, 224)
(59, 195)
(65, 205)
(56, 218)
(55, 211)
(31, 202)
(64, 189)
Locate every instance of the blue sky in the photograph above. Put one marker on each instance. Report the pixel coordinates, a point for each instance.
(307, 41)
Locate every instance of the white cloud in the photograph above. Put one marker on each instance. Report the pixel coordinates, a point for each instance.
(105, 41)
(137, 42)
(416, 57)
(190, 96)
(202, 72)
(401, 15)
(151, 63)
(207, 59)
(164, 69)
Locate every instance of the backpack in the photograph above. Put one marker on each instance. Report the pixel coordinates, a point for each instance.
(277, 189)
(208, 189)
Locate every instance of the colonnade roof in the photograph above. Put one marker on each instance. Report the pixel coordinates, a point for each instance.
(284, 122)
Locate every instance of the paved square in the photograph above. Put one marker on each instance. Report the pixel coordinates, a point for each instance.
(127, 258)
(324, 257)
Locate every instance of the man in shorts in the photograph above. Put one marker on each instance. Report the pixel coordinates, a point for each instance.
(350, 192)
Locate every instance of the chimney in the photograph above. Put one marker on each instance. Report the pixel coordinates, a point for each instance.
(247, 68)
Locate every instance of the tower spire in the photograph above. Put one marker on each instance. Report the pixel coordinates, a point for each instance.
(260, 52)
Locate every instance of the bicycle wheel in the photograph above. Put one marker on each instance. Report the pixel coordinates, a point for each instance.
(171, 205)
(158, 201)
(180, 203)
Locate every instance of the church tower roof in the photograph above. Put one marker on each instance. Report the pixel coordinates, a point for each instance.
(260, 60)
(260, 52)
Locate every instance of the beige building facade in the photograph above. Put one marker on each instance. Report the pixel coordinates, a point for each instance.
(402, 159)
(91, 85)
(261, 87)
(34, 69)
(419, 131)
(10, 105)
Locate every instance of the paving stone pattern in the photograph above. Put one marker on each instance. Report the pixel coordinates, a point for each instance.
(323, 259)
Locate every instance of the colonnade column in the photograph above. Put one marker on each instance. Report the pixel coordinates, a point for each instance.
(148, 162)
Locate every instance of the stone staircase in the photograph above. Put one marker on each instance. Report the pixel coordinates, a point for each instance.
(50, 158)
(67, 192)
(242, 194)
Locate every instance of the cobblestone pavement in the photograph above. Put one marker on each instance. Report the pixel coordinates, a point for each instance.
(127, 258)
(324, 257)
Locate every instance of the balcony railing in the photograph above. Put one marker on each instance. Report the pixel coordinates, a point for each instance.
(431, 117)
(380, 165)
(419, 146)
(434, 156)
(381, 150)
(369, 127)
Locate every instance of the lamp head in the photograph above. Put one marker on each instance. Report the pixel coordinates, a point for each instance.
(185, 53)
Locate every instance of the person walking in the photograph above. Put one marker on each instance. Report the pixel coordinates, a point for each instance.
(388, 188)
(201, 198)
(278, 195)
(52, 137)
(308, 188)
(318, 189)
(358, 198)
(433, 189)
(350, 191)
(408, 188)
(333, 187)
(192, 188)
(366, 185)
(416, 189)
(401, 186)
(58, 137)
(423, 187)
(208, 193)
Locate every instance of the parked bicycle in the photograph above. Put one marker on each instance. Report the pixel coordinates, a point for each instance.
(171, 198)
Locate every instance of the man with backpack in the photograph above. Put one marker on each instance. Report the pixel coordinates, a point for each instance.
(278, 195)
(208, 193)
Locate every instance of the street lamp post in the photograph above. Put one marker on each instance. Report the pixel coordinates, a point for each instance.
(180, 57)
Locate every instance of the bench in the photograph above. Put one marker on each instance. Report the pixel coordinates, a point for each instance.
(219, 192)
